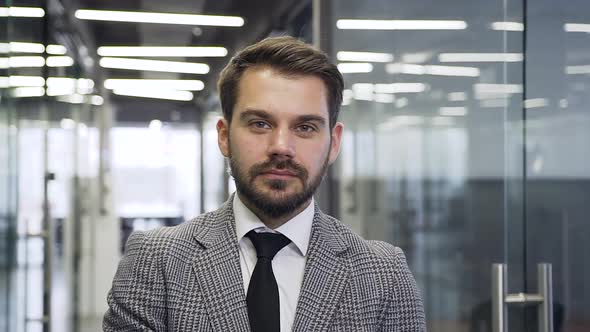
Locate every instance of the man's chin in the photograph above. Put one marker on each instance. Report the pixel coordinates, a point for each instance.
(277, 195)
(278, 203)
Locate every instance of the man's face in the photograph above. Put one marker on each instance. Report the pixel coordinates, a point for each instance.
(279, 141)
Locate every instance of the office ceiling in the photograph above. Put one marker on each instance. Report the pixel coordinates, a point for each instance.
(261, 18)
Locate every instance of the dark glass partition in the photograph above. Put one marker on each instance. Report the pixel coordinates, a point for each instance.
(467, 145)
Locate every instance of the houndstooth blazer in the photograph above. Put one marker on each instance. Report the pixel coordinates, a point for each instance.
(187, 278)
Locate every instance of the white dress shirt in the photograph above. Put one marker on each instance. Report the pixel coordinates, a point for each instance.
(288, 264)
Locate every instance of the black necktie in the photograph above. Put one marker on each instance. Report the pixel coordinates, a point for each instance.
(263, 292)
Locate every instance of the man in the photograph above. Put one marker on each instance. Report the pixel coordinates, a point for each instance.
(268, 259)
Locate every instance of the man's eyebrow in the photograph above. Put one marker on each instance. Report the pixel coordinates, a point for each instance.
(312, 118)
(254, 113)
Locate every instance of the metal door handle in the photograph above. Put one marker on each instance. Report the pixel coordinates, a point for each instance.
(501, 299)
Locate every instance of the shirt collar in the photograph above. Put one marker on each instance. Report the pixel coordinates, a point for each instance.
(297, 229)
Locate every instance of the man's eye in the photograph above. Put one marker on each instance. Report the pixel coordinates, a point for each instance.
(306, 128)
(260, 124)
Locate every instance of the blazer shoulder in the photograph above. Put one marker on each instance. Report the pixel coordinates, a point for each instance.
(377, 251)
(386, 266)
(172, 239)
(182, 231)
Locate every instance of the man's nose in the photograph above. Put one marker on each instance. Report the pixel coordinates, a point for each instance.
(281, 144)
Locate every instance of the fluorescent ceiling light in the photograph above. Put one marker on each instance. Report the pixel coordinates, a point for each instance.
(412, 69)
(400, 88)
(21, 12)
(577, 27)
(20, 47)
(73, 98)
(416, 57)
(535, 103)
(495, 91)
(353, 24)
(576, 70)
(96, 100)
(25, 81)
(155, 65)
(494, 103)
(369, 91)
(83, 85)
(452, 71)
(157, 51)
(498, 88)
(402, 68)
(23, 92)
(57, 86)
(188, 85)
(60, 90)
(60, 61)
(363, 91)
(457, 96)
(480, 57)
(22, 62)
(35, 61)
(452, 111)
(162, 18)
(156, 94)
(67, 124)
(56, 49)
(364, 56)
(508, 26)
(385, 98)
(155, 125)
(356, 67)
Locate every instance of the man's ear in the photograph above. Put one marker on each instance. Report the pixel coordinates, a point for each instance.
(223, 136)
(336, 140)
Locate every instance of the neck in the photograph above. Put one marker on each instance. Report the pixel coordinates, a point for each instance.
(273, 222)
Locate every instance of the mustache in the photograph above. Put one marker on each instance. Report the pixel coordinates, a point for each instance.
(285, 164)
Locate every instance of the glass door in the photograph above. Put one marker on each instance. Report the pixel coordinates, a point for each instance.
(557, 158)
(466, 144)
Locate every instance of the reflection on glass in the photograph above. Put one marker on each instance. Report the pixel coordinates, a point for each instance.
(467, 148)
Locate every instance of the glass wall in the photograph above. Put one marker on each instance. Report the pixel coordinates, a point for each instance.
(8, 188)
(50, 188)
(557, 154)
(467, 145)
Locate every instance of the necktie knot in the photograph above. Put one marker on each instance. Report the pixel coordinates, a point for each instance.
(267, 244)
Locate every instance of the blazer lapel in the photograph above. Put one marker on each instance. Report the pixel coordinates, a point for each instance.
(325, 277)
(217, 269)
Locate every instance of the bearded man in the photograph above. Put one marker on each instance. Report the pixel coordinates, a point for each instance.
(268, 260)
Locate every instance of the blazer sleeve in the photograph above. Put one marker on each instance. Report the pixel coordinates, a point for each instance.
(404, 311)
(136, 301)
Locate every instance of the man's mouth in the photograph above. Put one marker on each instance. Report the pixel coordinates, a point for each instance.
(279, 174)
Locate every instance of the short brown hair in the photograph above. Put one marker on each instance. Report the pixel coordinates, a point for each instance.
(288, 56)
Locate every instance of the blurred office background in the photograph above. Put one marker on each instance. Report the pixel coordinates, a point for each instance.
(467, 143)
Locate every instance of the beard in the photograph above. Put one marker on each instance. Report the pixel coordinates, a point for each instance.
(277, 202)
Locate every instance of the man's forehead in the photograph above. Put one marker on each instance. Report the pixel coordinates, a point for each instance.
(269, 90)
